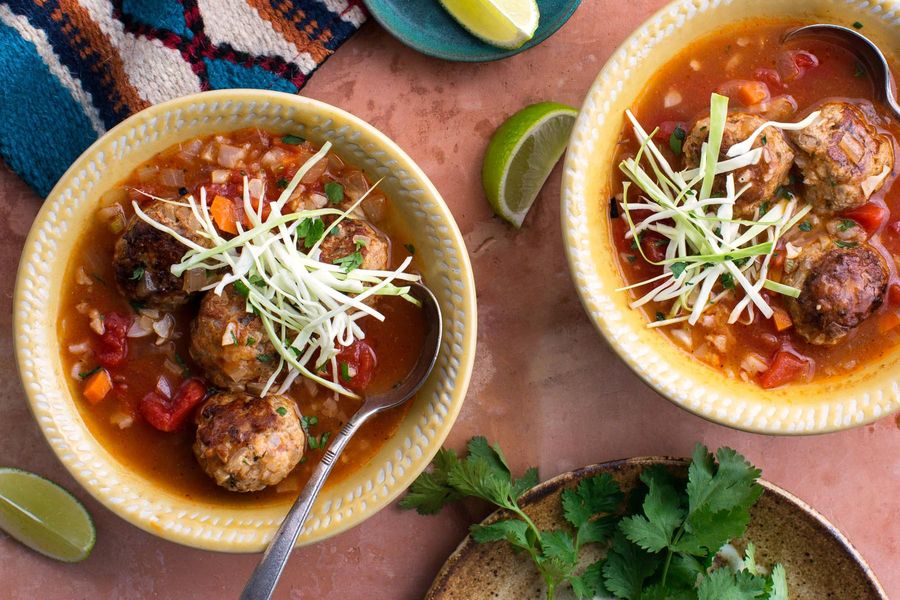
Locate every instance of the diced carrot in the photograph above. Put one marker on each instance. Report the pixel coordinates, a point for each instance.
(98, 386)
(222, 211)
(888, 321)
(869, 216)
(785, 367)
(751, 93)
(781, 318)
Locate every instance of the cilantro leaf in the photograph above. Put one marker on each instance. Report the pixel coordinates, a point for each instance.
(705, 531)
(725, 584)
(590, 583)
(627, 567)
(559, 546)
(335, 192)
(430, 492)
(655, 531)
(594, 495)
(778, 583)
(527, 481)
(512, 530)
(731, 485)
(350, 262)
(310, 231)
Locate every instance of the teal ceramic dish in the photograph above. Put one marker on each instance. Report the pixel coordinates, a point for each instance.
(425, 26)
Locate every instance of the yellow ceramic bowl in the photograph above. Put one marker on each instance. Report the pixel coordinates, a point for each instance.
(65, 214)
(824, 405)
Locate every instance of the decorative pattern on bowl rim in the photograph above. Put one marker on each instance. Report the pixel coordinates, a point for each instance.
(214, 527)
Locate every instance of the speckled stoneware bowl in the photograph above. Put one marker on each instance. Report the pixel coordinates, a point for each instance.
(443, 259)
(819, 561)
(824, 405)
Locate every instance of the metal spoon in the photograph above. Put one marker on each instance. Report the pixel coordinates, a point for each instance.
(868, 53)
(262, 583)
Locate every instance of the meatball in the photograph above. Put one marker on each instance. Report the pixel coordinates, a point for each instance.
(765, 176)
(229, 343)
(144, 255)
(839, 289)
(839, 153)
(353, 235)
(246, 443)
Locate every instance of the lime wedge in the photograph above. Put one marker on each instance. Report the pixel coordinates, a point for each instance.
(502, 23)
(44, 516)
(521, 155)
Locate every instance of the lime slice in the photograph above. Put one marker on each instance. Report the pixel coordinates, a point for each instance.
(44, 516)
(502, 23)
(521, 155)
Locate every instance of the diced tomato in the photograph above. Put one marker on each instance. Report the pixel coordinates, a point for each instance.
(768, 76)
(869, 216)
(112, 347)
(793, 64)
(784, 368)
(168, 414)
(356, 366)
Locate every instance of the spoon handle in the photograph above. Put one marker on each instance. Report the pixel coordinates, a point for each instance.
(262, 583)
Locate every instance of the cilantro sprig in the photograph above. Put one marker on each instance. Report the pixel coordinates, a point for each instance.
(662, 548)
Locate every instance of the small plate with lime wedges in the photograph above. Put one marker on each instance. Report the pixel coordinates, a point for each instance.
(471, 30)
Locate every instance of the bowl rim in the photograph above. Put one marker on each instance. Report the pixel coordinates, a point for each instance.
(464, 352)
(680, 12)
(545, 488)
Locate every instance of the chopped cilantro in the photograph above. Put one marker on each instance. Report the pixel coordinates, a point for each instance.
(335, 192)
(765, 140)
(137, 305)
(265, 358)
(843, 244)
(857, 25)
(345, 371)
(137, 273)
(87, 374)
(311, 231)
(677, 268)
(350, 262)
(764, 208)
(281, 410)
(660, 316)
(676, 140)
(250, 340)
(410, 248)
(859, 70)
(805, 226)
(292, 140)
(631, 258)
(728, 281)
(282, 183)
(846, 224)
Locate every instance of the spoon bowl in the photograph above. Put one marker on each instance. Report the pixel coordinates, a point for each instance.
(871, 57)
(265, 577)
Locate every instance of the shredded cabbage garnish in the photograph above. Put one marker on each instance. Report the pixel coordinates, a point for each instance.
(309, 309)
(706, 245)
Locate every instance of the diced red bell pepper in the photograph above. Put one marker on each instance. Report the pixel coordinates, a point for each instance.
(112, 347)
(356, 366)
(168, 414)
(869, 216)
(894, 294)
(784, 368)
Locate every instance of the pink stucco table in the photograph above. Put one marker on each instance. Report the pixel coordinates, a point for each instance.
(545, 384)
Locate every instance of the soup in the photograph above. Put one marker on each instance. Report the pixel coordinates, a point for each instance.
(761, 232)
(222, 316)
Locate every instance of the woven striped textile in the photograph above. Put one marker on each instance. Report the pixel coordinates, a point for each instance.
(71, 69)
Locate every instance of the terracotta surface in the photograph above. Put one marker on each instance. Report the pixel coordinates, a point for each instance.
(545, 386)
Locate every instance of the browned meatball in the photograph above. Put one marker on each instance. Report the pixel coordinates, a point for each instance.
(839, 153)
(144, 256)
(353, 234)
(765, 176)
(246, 443)
(229, 343)
(839, 289)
